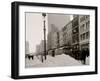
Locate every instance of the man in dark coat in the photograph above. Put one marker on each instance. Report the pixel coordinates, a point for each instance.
(53, 53)
(83, 55)
(88, 53)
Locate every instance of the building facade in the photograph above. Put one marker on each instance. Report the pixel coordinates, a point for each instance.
(38, 49)
(59, 20)
(84, 31)
(55, 23)
(52, 38)
(55, 40)
(26, 47)
(42, 46)
(67, 34)
(75, 36)
(67, 37)
(61, 42)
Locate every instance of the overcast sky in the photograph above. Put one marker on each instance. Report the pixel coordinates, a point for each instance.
(34, 29)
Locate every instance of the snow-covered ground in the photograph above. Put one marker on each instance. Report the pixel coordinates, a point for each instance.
(58, 60)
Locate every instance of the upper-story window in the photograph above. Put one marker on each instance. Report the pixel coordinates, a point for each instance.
(75, 38)
(84, 36)
(75, 30)
(82, 18)
(75, 22)
(82, 27)
(87, 25)
(87, 35)
(87, 16)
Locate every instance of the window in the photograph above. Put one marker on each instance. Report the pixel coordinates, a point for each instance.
(75, 22)
(84, 36)
(82, 18)
(87, 16)
(87, 25)
(81, 37)
(87, 35)
(82, 27)
(75, 30)
(75, 38)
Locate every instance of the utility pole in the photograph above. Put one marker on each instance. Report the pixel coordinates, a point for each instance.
(44, 29)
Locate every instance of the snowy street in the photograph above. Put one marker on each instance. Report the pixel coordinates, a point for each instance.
(58, 60)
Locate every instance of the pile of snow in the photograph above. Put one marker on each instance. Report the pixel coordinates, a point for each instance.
(58, 60)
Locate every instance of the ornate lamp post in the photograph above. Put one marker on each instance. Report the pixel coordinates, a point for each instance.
(44, 29)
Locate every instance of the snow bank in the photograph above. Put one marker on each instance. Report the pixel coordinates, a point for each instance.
(58, 60)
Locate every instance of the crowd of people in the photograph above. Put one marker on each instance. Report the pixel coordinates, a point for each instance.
(78, 55)
(84, 53)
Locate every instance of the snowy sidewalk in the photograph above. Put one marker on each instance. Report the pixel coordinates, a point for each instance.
(58, 60)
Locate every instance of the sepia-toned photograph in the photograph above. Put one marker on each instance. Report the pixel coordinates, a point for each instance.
(56, 40)
(50, 40)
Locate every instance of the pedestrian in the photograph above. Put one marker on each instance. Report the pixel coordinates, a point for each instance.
(87, 54)
(32, 57)
(83, 55)
(53, 53)
(42, 57)
(29, 57)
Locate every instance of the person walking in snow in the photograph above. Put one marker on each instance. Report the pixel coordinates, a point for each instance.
(83, 55)
(53, 53)
(87, 54)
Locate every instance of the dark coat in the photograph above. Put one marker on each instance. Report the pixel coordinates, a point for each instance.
(83, 54)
